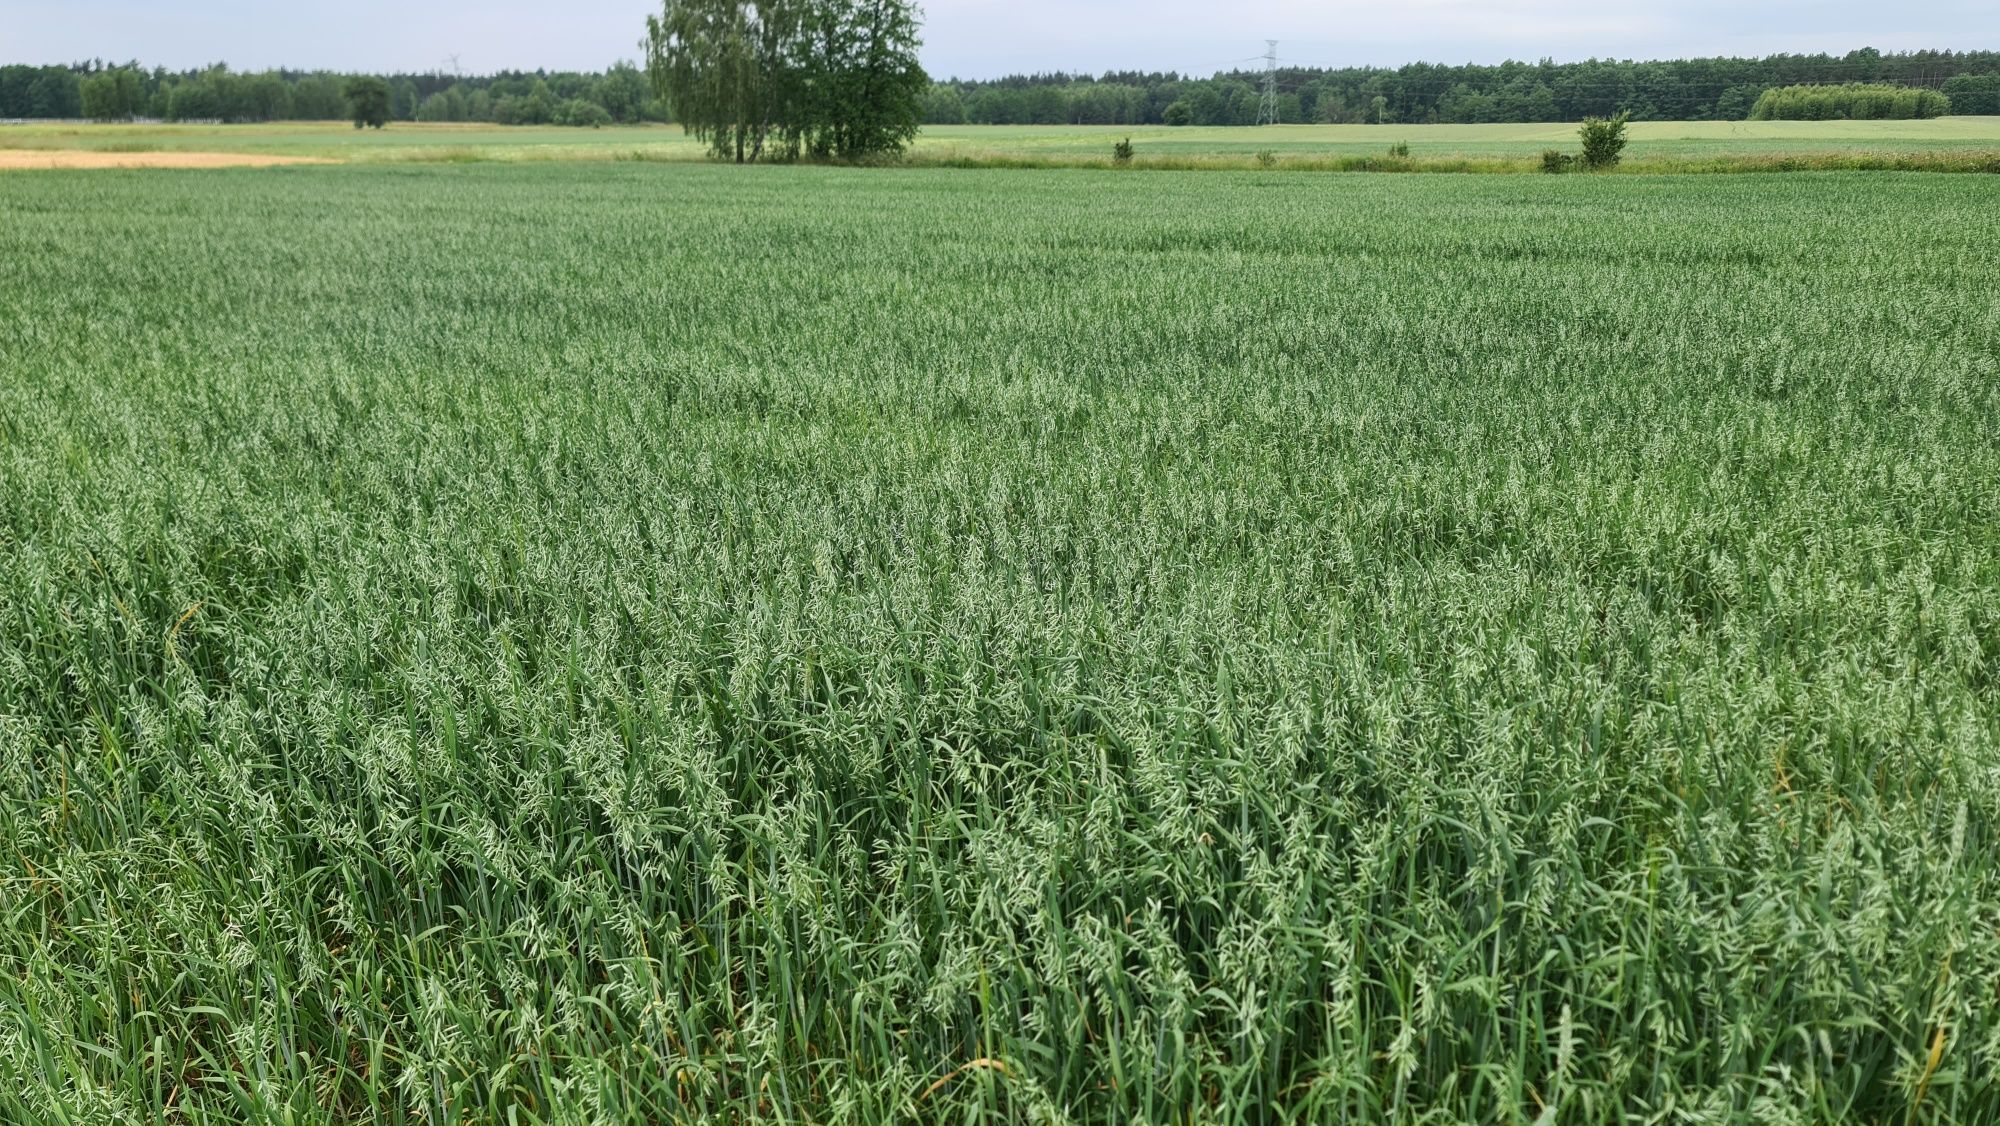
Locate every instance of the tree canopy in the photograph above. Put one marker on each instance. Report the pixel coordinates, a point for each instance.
(1974, 93)
(828, 78)
(369, 102)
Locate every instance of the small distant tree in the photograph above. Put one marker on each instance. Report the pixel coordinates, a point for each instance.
(582, 112)
(368, 102)
(445, 105)
(1178, 113)
(1121, 153)
(623, 93)
(316, 97)
(944, 105)
(403, 101)
(537, 107)
(194, 100)
(263, 97)
(1736, 102)
(1603, 140)
(111, 94)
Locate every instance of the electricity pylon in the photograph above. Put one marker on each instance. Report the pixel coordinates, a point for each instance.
(1267, 112)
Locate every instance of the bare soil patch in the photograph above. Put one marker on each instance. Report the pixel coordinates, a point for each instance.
(80, 158)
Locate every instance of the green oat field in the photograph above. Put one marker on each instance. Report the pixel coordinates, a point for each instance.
(1655, 146)
(634, 643)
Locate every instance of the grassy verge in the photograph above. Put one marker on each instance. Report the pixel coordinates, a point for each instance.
(1947, 161)
(1945, 145)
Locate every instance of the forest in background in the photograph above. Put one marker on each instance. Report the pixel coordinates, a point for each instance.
(1426, 93)
(216, 93)
(1418, 93)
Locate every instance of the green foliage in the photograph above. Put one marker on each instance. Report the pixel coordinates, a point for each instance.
(446, 105)
(368, 102)
(623, 92)
(1676, 89)
(1974, 94)
(1266, 158)
(217, 93)
(317, 97)
(1603, 141)
(1400, 150)
(1556, 161)
(1737, 102)
(1121, 153)
(1857, 101)
(482, 684)
(581, 112)
(99, 99)
(1663, 90)
(194, 101)
(720, 65)
(40, 92)
(862, 85)
(834, 79)
(537, 106)
(114, 93)
(403, 99)
(943, 105)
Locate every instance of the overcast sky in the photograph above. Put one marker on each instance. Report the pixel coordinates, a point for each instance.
(985, 38)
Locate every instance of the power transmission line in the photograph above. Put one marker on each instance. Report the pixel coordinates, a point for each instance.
(1267, 113)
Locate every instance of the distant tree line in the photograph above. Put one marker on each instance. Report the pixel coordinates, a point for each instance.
(1677, 89)
(1670, 90)
(1858, 101)
(119, 91)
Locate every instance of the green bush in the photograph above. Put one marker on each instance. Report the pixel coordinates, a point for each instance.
(582, 112)
(1121, 153)
(1556, 161)
(1266, 158)
(1603, 141)
(1855, 101)
(1400, 150)
(1178, 113)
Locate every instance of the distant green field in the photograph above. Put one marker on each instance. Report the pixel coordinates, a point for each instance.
(1676, 139)
(1665, 141)
(564, 644)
